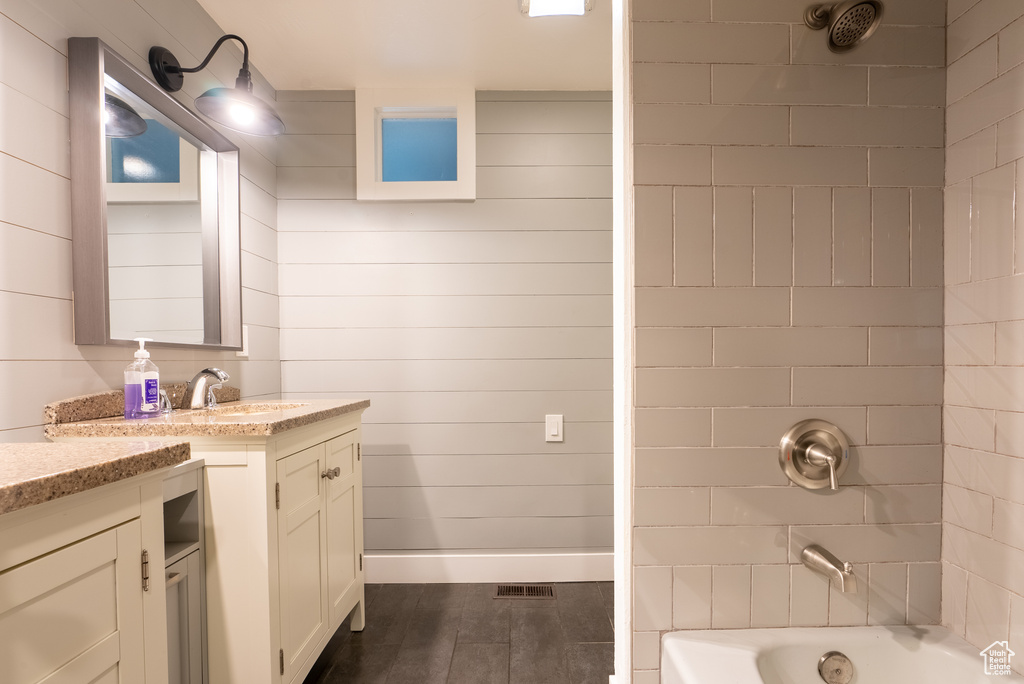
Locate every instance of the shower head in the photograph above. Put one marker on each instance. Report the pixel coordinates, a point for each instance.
(849, 23)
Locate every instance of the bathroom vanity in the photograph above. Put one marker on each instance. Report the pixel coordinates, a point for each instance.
(80, 530)
(283, 527)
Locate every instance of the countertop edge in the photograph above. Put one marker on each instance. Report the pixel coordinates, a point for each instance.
(315, 417)
(142, 429)
(17, 494)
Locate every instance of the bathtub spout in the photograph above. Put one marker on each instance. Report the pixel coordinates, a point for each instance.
(823, 562)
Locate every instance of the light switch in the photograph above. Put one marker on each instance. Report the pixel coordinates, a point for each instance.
(243, 353)
(553, 428)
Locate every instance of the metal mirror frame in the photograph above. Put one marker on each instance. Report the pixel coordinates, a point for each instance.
(89, 61)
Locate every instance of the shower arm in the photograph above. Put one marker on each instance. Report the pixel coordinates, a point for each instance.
(816, 16)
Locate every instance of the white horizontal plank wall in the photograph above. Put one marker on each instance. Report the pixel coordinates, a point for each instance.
(39, 362)
(465, 323)
(155, 268)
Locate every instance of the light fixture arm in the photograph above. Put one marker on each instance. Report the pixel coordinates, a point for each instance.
(236, 108)
(244, 77)
(170, 74)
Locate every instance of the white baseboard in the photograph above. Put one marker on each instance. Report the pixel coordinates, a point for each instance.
(475, 568)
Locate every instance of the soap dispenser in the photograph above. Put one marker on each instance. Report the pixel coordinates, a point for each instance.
(141, 385)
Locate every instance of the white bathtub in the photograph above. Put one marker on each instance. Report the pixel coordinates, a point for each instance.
(880, 655)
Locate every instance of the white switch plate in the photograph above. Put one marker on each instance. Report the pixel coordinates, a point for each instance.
(243, 353)
(553, 428)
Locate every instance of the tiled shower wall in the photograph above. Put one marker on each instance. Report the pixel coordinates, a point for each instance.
(983, 504)
(37, 352)
(788, 265)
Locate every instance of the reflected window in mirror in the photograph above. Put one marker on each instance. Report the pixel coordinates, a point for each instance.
(154, 156)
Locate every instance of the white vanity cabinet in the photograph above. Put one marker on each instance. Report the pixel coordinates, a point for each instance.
(282, 532)
(76, 601)
(93, 585)
(319, 531)
(284, 545)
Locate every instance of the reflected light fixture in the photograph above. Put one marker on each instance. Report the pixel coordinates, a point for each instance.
(236, 108)
(120, 120)
(551, 8)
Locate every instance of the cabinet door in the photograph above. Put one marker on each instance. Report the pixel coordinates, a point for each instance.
(301, 538)
(344, 525)
(184, 621)
(75, 615)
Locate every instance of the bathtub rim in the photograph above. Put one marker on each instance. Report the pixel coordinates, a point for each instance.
(743, 647)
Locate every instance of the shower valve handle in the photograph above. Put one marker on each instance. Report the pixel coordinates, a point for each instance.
(814, 454)
(821, 455)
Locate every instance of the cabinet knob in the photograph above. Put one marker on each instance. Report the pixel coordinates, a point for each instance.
(331, 473)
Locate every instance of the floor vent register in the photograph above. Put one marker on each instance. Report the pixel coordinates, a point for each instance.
(525, 591)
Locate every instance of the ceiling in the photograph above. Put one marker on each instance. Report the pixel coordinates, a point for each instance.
(484, 44)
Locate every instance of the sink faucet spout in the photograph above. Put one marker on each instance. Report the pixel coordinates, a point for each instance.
(198, 392)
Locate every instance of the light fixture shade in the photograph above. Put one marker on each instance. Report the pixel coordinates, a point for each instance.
(239, 110)
(120, 120)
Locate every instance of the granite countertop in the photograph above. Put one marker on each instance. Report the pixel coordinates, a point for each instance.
(111, 403)
(38, 472)
(245, 418)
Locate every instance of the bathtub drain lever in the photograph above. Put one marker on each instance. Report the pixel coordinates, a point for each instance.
(835, 668)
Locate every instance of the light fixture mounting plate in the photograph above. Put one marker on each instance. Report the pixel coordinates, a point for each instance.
(160, 59)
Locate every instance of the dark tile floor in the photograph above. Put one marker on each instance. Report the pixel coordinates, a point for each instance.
(458, 634)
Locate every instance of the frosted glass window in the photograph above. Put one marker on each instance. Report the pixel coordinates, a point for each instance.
(415, 144)
(414, 149)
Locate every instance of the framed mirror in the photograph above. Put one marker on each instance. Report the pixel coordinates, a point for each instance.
(155, 211)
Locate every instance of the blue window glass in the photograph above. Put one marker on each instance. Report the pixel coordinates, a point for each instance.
(153, 157)
(418, 150)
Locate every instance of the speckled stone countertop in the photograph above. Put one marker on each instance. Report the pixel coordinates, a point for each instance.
(38, 472)
(255, 418)
(111, 403)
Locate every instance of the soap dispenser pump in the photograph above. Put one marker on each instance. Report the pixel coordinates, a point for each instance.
(141, 385)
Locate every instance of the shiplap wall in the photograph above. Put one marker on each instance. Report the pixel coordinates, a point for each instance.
(39, 361)
(155, 266)
(983, 422)
(463, 322)
(788, 221)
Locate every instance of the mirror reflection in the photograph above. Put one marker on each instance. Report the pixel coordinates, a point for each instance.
(154, 222)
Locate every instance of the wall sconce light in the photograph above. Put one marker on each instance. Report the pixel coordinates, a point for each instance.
(550, 8)
(236, 108)
(120, 120)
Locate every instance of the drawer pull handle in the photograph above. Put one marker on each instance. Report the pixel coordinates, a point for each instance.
(175, 577)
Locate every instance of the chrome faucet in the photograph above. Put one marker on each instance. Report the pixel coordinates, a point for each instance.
(199, 392)
(821, 561)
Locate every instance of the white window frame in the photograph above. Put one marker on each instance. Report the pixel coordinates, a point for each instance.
(372, 105)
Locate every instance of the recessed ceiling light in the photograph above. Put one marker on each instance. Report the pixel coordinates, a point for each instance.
(549, 8)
